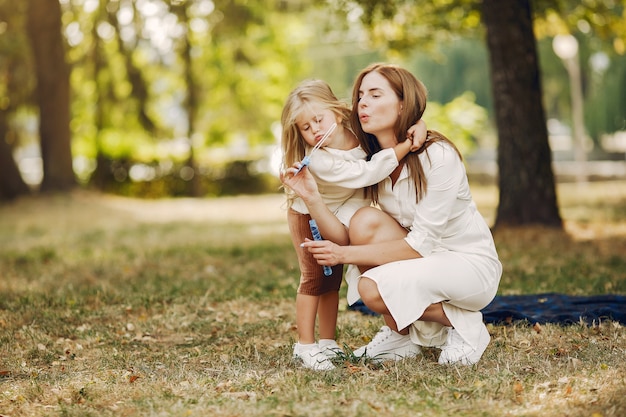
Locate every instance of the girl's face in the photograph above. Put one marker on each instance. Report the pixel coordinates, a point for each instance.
(378, 107)
(314, 121)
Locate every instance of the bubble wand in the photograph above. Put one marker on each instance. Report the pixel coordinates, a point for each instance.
(307, 158)
(328, 271)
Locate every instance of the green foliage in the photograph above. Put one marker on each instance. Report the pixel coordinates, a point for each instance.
(461, 120)
(243, 64)
(129, 69)
(16, 66)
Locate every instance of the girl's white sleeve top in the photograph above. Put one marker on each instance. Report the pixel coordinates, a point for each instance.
(446, 217)
(339, 173)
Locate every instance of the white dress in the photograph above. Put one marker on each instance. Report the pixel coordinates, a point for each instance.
(342, 174)
(460, 265)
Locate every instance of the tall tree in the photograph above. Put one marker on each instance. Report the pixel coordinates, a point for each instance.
(11, 183)
(190, 103)
(526, 181)
(14, 70)
(53, 94)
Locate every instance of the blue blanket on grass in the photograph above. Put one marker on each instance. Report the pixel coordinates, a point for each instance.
(546, 308)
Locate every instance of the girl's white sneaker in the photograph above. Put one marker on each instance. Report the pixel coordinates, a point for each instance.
(312, 357)
(330, 348)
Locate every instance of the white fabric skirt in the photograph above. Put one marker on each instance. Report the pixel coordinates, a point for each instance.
(464, 283)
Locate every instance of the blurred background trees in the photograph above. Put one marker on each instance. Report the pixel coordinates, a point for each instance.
(183, 97)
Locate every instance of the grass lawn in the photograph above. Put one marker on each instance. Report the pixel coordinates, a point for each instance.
(112, 306)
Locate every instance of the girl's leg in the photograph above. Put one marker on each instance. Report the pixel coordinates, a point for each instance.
(327, 313)
(312, 288)
(318, 295)
(306, 311)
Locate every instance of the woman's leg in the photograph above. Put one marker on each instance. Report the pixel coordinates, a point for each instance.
(372, 299)
(369, 290)
(370, 225)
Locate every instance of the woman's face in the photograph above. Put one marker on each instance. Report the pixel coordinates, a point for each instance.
(314, 122)
(378, 107)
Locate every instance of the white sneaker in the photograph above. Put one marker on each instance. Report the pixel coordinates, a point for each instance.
(330, 348)
(456, 350)
(388, 344)
(312, 357)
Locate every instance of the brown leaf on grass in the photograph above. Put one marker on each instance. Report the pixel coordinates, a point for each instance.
(537, 327)
(518, 390)
(353, 369)
(4, 373)
(133, 378)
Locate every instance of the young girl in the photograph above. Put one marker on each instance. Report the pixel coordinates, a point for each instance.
(341, 172)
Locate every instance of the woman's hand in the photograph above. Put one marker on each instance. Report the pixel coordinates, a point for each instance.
(302, 183)
(325, 252)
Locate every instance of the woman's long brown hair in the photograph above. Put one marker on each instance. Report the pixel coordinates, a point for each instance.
(413, 94)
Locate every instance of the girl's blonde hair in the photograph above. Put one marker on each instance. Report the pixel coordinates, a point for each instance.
(302, 98)
(413, 94)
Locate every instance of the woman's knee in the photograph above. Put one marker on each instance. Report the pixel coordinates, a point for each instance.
(368, 290)
(370, 225)
(364, 225)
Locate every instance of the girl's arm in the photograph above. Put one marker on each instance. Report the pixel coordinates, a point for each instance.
(360, 173)
(305, 187)
(416, 136)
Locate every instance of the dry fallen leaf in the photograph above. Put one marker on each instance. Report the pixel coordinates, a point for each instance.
(352, 369)
(568, 390)
(518, 389)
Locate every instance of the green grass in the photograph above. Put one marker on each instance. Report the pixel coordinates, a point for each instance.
(121, 307)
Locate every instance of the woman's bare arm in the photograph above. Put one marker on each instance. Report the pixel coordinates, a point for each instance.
(374, 254)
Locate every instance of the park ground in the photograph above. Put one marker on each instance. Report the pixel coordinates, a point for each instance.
(115, 306)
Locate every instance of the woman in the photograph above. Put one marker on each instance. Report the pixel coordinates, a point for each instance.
(427, 258)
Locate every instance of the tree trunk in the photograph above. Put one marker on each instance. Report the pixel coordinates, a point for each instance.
(191, 101)
(53, 94)
(526, 180)
(11, 183)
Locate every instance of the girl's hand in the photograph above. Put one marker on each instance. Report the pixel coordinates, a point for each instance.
(325, 252)
(417, 134)
(302, 183)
